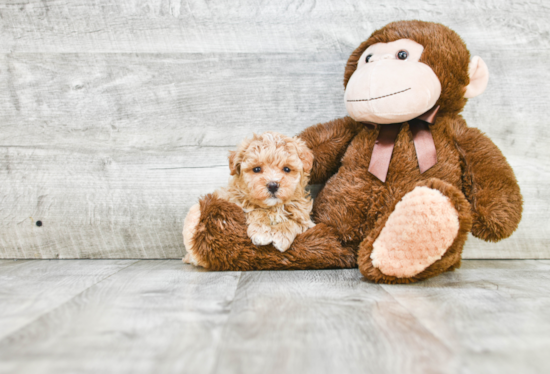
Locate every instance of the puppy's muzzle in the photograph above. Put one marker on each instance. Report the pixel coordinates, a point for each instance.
(273, 187)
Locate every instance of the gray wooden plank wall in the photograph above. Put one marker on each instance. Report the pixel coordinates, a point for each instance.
(115, 116)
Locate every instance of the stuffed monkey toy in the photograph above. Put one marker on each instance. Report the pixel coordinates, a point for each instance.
(405, 178)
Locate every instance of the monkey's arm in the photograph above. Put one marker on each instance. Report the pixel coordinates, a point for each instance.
(490, 186)
(328, 142)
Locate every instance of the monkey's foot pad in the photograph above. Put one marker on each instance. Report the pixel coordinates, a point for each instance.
(422, 227)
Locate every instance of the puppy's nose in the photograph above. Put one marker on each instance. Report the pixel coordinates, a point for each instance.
(273, 187)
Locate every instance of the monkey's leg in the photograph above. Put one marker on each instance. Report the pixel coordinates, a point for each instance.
(420, 238)
(215, 235)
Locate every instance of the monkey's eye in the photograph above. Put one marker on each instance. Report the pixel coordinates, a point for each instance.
(257, 169)
(368, 58)
(286, 169)
(402, 55)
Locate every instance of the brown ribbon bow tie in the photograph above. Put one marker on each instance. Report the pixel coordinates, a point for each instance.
(423, 143)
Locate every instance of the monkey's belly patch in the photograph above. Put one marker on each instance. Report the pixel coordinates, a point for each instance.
(422, 227)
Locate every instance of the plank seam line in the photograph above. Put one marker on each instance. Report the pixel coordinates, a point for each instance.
(64, 302)
(417, 319)
(224, 330)
(191, 167)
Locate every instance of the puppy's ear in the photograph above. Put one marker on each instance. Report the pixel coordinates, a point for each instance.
(234, 163)
(305, 154)
(236, 157)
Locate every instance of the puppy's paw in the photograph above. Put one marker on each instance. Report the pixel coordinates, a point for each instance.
(261, 239)
(283, 241)
(309, 224)
(259, 234)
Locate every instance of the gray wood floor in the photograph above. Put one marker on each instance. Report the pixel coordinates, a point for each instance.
(147, 316)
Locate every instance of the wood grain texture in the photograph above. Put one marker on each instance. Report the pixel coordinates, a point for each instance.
(115, 116)
(32, 288)
(102, 205)
(488, 317)
(324, 322)
(487, 312)
(166, 317)
(249, 26)
(154, 316)
(163, 101)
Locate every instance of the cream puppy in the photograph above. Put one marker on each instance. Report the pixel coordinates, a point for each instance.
(269, 176)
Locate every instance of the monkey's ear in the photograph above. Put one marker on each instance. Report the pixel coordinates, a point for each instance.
(479, 77)
(234, 163)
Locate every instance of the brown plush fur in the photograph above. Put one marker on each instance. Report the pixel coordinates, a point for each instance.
(492, 191)
(353, 207)
(221, 243)
(330, 140)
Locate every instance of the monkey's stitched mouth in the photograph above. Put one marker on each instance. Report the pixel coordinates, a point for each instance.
(379, 97)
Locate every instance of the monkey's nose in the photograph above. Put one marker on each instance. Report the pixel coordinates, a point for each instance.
(273, 187)
(387, 56)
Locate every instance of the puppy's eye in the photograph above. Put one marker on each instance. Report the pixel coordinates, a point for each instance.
(402, 55)
(286, 169)
(368, 58)
(257, 169)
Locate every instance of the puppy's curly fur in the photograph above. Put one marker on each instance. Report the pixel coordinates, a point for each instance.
(270, 174)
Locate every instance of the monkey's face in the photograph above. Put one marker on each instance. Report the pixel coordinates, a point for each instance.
(391, 85)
